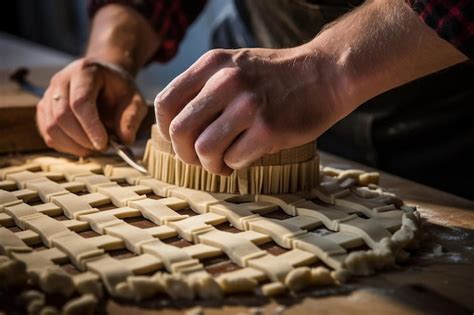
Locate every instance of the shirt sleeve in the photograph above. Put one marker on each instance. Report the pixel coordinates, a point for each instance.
(453, 20)
(169, 18)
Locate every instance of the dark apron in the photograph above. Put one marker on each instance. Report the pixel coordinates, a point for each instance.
(423, 130)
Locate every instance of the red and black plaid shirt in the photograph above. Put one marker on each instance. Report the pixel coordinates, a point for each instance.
(169, 18)
(453, 20)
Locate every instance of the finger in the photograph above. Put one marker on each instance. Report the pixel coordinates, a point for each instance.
(64, 143)
(214, 141)
(130, 118)
(64, 117)
(180, 91)
(84, 91)
(198, 114)
(52, 134)
(249, 146)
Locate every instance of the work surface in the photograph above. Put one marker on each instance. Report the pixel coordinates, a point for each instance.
(438, 279)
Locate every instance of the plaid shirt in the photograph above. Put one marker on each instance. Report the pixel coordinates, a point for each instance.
(169, 18)
(453, 20)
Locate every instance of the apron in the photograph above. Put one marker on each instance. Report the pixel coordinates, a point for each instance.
(422, 131)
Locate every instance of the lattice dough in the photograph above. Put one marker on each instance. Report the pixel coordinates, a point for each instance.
(72, 228)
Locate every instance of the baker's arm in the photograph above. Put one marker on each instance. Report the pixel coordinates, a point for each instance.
(233, 106)
(122, 36)
(380, 46)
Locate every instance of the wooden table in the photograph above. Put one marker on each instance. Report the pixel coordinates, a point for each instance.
(439, 279)
(17, 107)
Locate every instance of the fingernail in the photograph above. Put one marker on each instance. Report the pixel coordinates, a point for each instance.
(96, 144)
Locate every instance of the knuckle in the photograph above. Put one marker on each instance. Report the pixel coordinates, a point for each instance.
(61, 116)
(242, 57)
(91, 69)
(250, 103)
(209, 157)
(163, 108)
(82, 62)
(78, 63)
(50, 129)
(91, 72)
(177, 129)
(216, 56)
(160, 105)
(203, 148)
(230, 74)
(79, 103)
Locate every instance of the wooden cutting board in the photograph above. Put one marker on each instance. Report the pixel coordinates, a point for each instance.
(17, 113)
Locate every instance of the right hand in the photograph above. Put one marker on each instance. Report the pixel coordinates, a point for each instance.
(82, 102)
(232, 107)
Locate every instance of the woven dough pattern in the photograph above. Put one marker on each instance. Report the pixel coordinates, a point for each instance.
(70, 228)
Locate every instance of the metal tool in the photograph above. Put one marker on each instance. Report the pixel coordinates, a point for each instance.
(124, 152)
(20, 76)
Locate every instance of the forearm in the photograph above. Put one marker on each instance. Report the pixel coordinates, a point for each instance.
(380, 46)
(121, 36)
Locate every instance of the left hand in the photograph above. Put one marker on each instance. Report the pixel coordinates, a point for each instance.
(233, 106)
(70, 118)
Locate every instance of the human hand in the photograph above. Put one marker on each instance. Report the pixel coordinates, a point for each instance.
(82, 102)
(233, 106)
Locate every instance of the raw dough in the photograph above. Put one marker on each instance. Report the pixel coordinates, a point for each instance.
(348, 216)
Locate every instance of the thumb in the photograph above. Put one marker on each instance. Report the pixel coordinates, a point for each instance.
(130, 118)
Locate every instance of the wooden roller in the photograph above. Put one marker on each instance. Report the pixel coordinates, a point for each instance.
(287, 171)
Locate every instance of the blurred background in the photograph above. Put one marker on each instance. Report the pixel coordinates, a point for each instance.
(62, 27)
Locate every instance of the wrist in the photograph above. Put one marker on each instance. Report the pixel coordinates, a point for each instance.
(360, 69)
(340, 68)
(331, 67)
(121, 36)
(371, 50)
(111, 68)
(116, 57)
